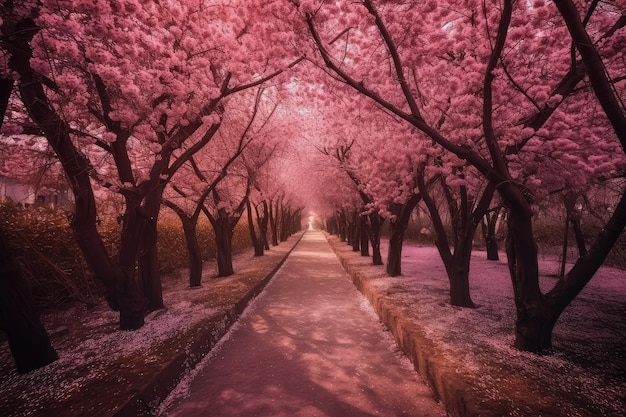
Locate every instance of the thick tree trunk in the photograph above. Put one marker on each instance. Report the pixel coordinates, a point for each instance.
(375, 224)
(28, 340)
(223, 242)
(403, 214)
(190, 228)
(458, 272)
(256, 242)
(6, 88)
(149, 268)
(263, 222)
(488, 224)
(532, 329)
(133, 225)
(394, 254)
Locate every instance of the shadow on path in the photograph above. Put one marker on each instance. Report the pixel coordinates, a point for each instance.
(309, 346)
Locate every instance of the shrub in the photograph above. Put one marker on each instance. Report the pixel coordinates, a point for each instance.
(43, 244)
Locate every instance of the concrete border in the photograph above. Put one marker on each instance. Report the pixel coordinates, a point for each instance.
(455, 393)
(145, 402)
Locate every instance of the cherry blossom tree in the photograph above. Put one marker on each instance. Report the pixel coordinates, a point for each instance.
(508, 67)
(128, 85)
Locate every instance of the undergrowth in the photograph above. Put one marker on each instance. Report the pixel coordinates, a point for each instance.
(41, 240)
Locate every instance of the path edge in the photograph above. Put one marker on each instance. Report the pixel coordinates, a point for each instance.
(145, 402)
(456, 394)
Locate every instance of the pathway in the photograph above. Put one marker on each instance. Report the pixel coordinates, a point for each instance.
(310, 345)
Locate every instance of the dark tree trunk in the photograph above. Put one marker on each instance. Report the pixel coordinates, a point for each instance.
(273, 214)
(284, 223)
(394, 254)
(396, 240)
(363, 236)
(28, 340)
(6, 88)
(263, 222)
(465, 220)
(257, 243)
(133, 225)
(458, 273)
(149, 269)
(341, 221)
(375, 224)
(223, 241)
(488, 225)
(190, 230)
(356, 231)
(532, 328)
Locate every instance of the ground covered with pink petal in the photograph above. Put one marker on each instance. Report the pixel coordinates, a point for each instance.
(102, 368)
(471, 349)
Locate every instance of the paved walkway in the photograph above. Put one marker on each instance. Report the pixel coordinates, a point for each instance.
(309, 346)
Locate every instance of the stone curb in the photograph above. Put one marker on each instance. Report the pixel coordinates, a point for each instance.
(455, 393)
(147, 399)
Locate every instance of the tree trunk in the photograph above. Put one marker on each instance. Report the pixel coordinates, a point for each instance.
(341, 221)
(149, 268)
(256, 242)
(564, 247)
(403, 214)
(375, 224)
(532, 329)
(488, 224)
(133, 225)
(6, 88)
(394, 254)
(28, 340)
(223, 242)
(284, 223)
(190, 228)
(363, 236)
(356, 231)
(263, 221)
(458, 273)
(273, 214)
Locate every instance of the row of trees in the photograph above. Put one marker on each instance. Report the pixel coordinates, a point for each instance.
(470, 107)
(153, 104)
(460, 106)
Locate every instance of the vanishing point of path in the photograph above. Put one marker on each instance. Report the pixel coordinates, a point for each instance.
(309, 346)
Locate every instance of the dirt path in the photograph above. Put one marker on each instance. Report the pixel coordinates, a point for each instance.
(309, 346)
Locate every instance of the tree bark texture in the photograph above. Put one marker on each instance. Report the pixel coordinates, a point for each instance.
(223, 241)
(257, 242)
(363, 236)
(488, 225)
(398, 227)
